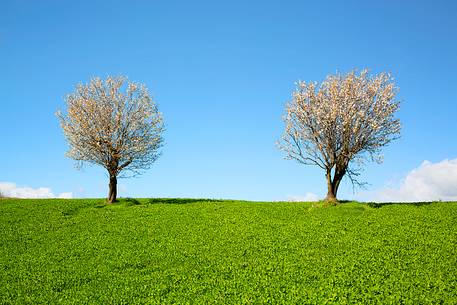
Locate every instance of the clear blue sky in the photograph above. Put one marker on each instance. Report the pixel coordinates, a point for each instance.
(221, 72)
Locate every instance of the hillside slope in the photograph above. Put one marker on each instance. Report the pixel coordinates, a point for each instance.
(191, 251)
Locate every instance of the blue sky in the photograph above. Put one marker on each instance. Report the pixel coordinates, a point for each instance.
(221, 72)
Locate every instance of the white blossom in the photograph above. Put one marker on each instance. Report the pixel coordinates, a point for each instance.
(113, 123)
(340, 123)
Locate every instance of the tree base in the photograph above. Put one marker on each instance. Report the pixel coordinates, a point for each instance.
(331, 200)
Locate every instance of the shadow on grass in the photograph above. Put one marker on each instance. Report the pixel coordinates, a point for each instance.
(131, 201)
(346, 201)
(381, 204)
(120, 201)
(145, 201)
(178, 200)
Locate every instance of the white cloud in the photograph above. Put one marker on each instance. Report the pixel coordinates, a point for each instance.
(429, 182)
(307, 197)
(9, 189)
(65, 195)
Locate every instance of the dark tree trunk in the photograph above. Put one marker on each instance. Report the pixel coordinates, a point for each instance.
(333, 184)
(331, 195)
(112, 195)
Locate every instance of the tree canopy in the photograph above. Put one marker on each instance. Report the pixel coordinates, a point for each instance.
(341, 123)
(113, 123)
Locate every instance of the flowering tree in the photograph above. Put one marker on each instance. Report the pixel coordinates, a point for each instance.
(113, 123)
(340, 124)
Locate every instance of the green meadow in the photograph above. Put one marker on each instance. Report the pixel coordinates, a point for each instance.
(188, 251)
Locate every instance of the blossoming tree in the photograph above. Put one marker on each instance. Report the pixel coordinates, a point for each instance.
(113, 123)
(341, 123)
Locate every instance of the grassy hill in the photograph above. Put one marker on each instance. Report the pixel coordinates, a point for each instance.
(202, 251)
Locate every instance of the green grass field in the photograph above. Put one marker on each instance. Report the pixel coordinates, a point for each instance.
(178, 251)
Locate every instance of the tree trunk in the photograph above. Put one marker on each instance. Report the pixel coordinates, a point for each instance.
(333, 185)
(112, 195)
(331, 196)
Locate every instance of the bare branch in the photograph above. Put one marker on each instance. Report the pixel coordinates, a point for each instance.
(113, 123)
(346, 119)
